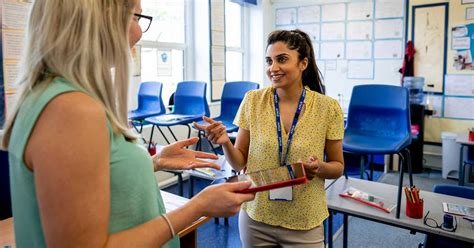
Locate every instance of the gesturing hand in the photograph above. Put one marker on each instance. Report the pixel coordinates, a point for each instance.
(214, 132)
(177, 157)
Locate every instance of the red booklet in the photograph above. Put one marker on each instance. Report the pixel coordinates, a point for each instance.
(280, 177)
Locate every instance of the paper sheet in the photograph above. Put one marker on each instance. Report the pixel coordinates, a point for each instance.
(312, 30)
(333, 31)
(389, 8)
(309, 14)
(386, 29)
(459, 85)
(285, 16)
(218, 38)
(360, 11)
(359, 30)
(13, 44)
(386, 71)
(388, 49)
(359, 50)
(218, 55)
(459, 107)
(363, 69)
(15, 14)
(461, 43)
(11, 71)
(332, 50)
(333, 12)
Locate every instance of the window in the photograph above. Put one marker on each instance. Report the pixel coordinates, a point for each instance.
(233, 41)
(164, 44)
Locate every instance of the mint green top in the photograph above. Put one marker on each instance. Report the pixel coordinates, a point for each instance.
(134, 194)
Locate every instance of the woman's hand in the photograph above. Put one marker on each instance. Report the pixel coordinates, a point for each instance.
(177, 157)
(222, 200)
(214, 132)
(312, 167)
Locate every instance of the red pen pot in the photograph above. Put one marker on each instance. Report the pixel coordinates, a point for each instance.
(414, 210)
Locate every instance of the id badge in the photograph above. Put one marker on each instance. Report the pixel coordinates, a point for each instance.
(281, 194)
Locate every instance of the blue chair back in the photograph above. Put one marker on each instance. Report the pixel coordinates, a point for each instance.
(149, 98)
(232, 96)
(5, 198)
(380, 111)
(190, 99)
(454, 190)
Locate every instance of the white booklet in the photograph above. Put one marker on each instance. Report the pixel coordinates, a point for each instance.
(456, 209)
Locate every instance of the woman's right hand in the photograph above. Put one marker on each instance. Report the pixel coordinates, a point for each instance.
(222, 200)
(214, 132)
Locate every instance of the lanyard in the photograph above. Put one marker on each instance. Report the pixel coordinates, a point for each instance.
(293, 125)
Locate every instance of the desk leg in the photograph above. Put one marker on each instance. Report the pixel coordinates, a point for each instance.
(329, 241)
(346, 230)
(461, 167)
(180, 184)
(189, 240)
(191, 186)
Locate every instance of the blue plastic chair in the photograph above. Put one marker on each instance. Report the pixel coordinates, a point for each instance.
(232, 96)
(432, 240)
(468, 161)
(150, 103)
(190, 104)
(379, 123)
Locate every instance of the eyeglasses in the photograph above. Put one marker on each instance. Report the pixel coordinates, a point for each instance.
(434, 224)
(144, 21)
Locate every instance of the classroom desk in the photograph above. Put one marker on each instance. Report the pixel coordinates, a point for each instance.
(463, 140)
(432, 202)
(188, 236)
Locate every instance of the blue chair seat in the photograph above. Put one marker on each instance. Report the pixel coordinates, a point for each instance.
(172, 119)
(364, 144)
(140, 115)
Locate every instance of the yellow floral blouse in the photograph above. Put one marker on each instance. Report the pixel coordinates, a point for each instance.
(322, 120)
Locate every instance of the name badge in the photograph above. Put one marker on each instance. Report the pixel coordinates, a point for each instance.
(281, 194)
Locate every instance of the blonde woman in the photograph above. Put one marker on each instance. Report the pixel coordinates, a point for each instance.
(78, 179)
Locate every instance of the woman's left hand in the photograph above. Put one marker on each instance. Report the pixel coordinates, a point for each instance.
(312, 167)
(177, 157)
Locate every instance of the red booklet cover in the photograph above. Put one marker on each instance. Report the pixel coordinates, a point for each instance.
(280, 177)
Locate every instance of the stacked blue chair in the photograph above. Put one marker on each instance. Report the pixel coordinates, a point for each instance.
(149, 104)
(468, 161)
(379, 123)
(232, 95)
(432, 240)
(190, 104)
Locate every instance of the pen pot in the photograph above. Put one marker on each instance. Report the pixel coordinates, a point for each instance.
(414, 210)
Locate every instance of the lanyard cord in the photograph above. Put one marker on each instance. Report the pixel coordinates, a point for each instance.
(293, 126)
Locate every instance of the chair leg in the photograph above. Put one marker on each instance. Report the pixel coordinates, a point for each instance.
(212, 146)
(400, 184)
(371, 165)
(409, 168)
(163, 134)
(172, 134)
(151, 137)
(362, 166)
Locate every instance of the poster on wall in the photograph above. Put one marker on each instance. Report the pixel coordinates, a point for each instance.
(462, 42)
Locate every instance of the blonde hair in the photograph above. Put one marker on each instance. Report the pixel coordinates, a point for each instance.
(81, 41)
